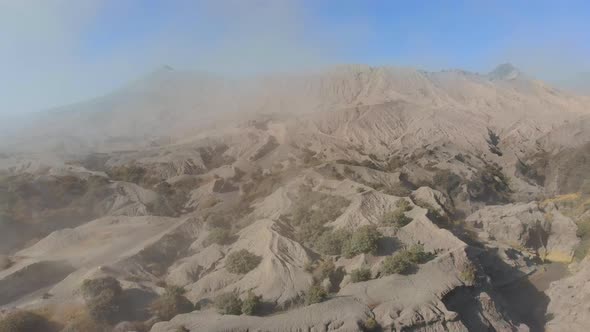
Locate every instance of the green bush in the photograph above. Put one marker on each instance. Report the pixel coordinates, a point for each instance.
(221, 236)
(315, 294)
(363, 240)
(242, 261)
(358, 275)
(405, 260)
(331, 242)
(251, 305)
(171, 303)
(23, 321)
(228, 304)
(396, 218)
(103, 298)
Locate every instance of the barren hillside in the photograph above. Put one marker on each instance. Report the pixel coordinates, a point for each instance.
(351, 199)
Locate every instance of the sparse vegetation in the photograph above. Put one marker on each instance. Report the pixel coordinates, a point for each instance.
(24, 321)
(361, 274)
(315, 294)
(251, 305)
(132, 173)
(406, 260)
(171, 303)
(228, 304)
(241, 262)
(103, 298)
(363, 240)
(311, 211)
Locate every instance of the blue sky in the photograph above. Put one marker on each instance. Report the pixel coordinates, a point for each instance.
(55, 52)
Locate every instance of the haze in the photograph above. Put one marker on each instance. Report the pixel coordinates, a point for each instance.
(56, 52)
(346, 166)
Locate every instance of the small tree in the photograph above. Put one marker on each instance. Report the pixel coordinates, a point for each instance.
(331, 242)
(251, 305)
(358, 275)
(315, 294)
(364, 240)
(241, 261)
(228, 304)
(23, 321)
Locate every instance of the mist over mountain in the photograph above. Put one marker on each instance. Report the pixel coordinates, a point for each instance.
(351, 198)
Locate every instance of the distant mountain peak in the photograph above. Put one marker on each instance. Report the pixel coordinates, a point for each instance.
(505, 71)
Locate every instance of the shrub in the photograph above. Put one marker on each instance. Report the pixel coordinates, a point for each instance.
(358, 275)
(242, 261)
(94, 287)
(331, 242)
(364, 240)
(315, 294)
(468, 273)
(490, 185)
(405, 260)
(251, 305)
(403, 205)
(396, 218)
(370, 325)
(103, 298)
(171, 303)
(5, 262)
(228, 304)
(398, 263)
(23, 321)
(326, 268)
(221, 236)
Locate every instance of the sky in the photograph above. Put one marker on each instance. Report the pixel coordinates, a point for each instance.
(57, 52)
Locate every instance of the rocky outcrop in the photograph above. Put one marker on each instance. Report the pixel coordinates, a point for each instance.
(546, 232)
(400, 305)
